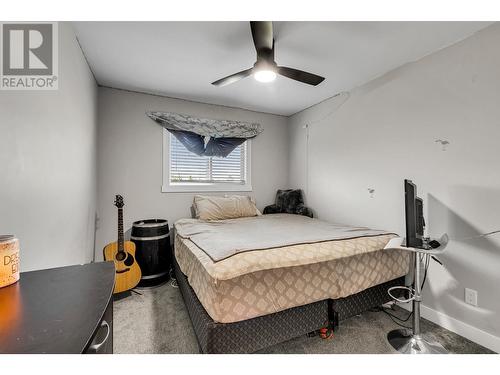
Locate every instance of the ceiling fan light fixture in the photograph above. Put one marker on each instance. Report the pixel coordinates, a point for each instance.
(265, 68)
(265, 75)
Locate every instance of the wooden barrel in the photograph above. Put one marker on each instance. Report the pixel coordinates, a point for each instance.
(153, 251)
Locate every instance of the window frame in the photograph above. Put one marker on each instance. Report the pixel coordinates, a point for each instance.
(193, 187)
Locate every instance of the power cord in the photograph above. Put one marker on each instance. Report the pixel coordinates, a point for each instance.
(306, 126)
(427, 260)
(173, 280)
(393, 317)
(476, 236)
(397, 319)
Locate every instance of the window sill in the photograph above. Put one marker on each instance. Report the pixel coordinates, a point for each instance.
(200, 188)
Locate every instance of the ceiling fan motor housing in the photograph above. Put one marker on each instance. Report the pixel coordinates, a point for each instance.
(262, 34)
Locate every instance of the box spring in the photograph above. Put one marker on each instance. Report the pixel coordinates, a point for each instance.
(254, 334)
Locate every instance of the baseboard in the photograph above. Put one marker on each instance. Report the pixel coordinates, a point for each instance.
(463, 329)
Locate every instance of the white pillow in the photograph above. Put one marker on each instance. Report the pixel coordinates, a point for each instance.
(227, 207)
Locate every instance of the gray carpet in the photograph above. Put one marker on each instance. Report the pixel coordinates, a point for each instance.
(157, 322)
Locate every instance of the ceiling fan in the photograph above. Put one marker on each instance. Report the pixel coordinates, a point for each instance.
(265, 68)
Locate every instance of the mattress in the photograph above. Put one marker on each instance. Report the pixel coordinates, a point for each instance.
(256, 283)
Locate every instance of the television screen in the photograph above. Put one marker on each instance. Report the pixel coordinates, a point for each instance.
(419, 211)
(413, 216)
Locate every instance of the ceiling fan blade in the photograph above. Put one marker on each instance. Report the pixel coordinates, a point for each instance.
(233, 78)
(299, 75)
(262, 34)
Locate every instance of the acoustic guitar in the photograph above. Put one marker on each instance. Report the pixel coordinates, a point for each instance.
(122, 253)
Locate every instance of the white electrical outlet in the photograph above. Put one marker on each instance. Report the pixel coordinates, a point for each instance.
(471, 296)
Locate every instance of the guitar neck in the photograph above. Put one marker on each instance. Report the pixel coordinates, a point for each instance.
(121, 241)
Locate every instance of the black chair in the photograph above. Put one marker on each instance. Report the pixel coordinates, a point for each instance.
(289, 202)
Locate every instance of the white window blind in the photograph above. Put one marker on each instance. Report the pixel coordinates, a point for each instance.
(187, 167)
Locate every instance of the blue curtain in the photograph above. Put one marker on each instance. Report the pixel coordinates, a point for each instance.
(195, 143)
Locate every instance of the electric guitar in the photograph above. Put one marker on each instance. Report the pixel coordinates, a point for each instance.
(122, 253)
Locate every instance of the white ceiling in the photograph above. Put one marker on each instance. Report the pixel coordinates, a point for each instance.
(181, 59)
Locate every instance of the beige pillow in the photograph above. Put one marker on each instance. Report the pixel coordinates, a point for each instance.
(220, 208)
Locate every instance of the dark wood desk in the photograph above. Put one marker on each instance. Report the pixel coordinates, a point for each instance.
(59, 310)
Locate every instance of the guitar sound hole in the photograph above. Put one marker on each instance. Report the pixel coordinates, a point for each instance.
(129, 261)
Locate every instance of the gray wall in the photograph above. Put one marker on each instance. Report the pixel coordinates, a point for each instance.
(385, 131)
(48, 164)
(130, 158)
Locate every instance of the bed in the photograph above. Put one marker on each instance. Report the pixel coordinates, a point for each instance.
(252, 282)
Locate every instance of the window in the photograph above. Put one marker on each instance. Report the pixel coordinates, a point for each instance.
(185, 171)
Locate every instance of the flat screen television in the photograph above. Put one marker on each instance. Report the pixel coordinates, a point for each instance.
(414, 215)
